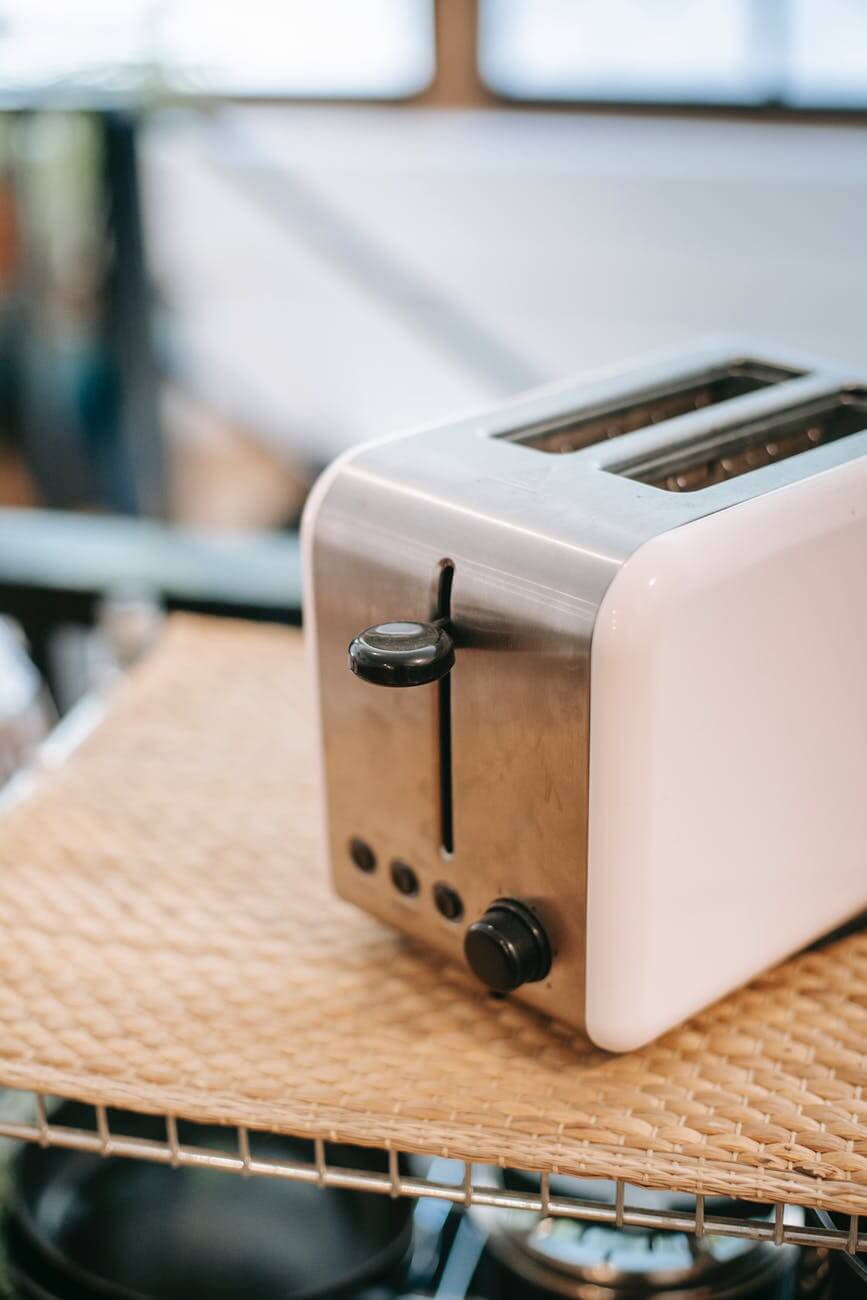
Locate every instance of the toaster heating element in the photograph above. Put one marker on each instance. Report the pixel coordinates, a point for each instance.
(622, 770)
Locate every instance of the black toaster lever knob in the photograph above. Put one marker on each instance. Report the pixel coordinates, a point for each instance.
(508, 947)
(402, 653)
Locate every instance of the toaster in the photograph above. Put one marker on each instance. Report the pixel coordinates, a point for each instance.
(592, 682)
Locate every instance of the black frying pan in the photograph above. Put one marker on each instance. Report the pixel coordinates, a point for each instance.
(81, 1226)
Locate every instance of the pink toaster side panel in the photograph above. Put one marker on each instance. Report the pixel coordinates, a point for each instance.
(728, 753)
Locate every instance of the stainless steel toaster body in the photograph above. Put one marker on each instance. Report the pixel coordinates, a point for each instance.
(508, 529)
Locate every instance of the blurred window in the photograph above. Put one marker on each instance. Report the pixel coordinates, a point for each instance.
(321, 48)
(796, 53)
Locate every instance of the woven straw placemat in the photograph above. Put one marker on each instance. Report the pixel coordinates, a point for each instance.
(170, 944)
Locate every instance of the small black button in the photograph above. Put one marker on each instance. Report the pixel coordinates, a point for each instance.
(402, 653)
(404, 878)
(362, 855)
(508, 947)
(448, 902)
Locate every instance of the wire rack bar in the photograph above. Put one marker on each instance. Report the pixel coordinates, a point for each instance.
(467, 1191)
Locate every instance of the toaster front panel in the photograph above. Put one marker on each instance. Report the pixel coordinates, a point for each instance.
(515, 784)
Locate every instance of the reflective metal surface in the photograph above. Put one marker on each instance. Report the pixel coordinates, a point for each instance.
(535, 539)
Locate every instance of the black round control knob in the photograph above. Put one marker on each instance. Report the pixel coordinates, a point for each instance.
(402, 654)
(508, 947)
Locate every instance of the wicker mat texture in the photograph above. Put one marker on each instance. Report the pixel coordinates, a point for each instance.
(170, 944)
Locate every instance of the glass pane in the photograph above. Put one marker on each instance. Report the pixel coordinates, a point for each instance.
(799, 52)
(381, 48)
(621, 49)
(827, 63)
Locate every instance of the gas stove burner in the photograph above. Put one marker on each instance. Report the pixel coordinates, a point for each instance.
(81, 1226)
(544, 1256)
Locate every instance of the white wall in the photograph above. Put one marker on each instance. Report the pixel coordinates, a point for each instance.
(336, 274)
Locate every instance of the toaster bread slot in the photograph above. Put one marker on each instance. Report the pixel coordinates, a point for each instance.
(740, 449)
(692, 391)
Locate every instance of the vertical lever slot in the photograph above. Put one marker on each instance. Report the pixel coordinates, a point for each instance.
(444, 716)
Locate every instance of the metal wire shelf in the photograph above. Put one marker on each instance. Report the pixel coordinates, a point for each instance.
(473, 1188)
